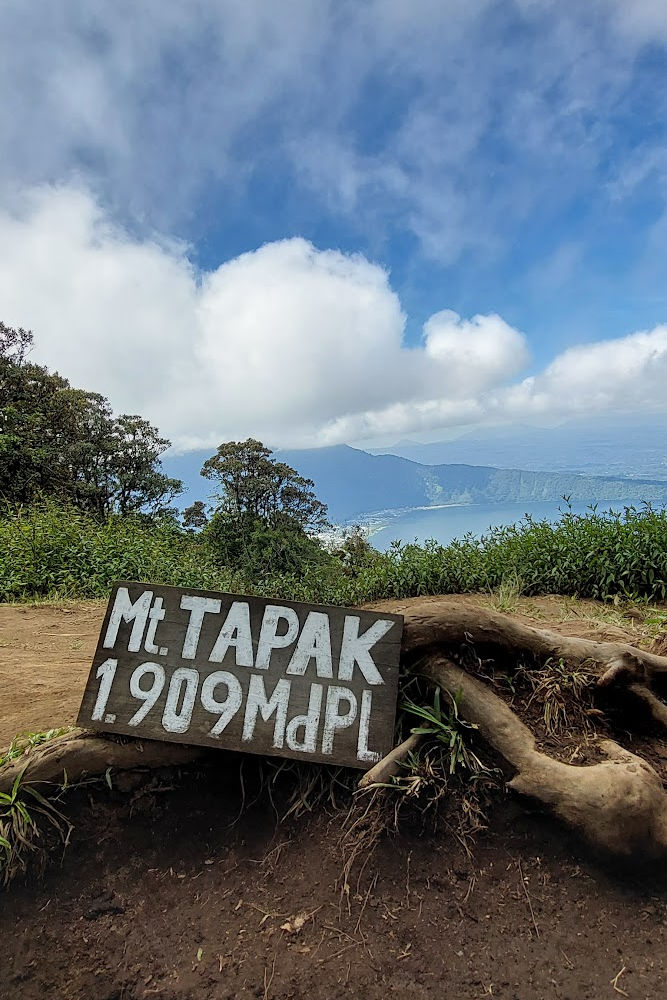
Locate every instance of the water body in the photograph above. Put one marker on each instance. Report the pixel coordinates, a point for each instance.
(446, 523)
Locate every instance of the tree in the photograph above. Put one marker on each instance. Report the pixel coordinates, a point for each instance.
(252, 483)
(136, 480)
(58, 440)
(14, 344)
(195, 516)
(265, 513)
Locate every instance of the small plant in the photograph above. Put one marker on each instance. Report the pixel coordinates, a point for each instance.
(21, 744)
(20, 812)
(506, 597)
(447, 727)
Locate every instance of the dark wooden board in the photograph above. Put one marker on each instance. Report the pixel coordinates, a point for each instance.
(166, 687)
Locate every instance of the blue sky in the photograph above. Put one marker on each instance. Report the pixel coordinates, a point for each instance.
(322, 221)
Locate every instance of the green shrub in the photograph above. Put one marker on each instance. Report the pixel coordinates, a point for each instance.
(600, 555)
(259, 549)
(51, 550)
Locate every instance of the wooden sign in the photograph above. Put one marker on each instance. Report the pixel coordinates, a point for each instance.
(244, 673)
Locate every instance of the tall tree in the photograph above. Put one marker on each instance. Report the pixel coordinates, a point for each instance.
(62, 441)
(136, 478)
(265, 513)
(251, 483)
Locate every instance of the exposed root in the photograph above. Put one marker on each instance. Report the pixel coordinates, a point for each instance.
(79, 754)
(366, 822)
(656, 708)
(390, 765)
(456, 623)
(618, 805)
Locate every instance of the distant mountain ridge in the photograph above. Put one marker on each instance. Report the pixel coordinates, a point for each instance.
(354, 483)
(634, 447)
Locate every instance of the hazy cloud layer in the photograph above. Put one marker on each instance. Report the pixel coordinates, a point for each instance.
(289, 343)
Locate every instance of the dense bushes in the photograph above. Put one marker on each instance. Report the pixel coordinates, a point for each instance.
(260, 548)
(601, 555)
(48, 550)
(51, 550)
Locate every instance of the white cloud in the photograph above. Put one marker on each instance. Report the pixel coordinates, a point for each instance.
(384, 110)
(628, 373)
(641, 20)
(151, 102)
(477, 353)
(289, 343)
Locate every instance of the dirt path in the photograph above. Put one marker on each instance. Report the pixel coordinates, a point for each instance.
(45, 656)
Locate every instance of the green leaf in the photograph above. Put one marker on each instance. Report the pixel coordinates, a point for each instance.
(17, 783)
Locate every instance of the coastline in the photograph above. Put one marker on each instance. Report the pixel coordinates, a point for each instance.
(373, 522)
(445, 522)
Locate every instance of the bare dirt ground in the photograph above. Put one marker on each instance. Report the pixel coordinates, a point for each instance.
(165, 892)
(45, 655)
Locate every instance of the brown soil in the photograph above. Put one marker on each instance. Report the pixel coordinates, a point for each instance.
(45, 655)
(160, 893)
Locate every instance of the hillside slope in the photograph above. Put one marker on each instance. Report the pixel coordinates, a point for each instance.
(353, 482)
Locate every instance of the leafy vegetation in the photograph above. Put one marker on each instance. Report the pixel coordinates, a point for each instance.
(51, 550)
(603, 555)
(446, 726)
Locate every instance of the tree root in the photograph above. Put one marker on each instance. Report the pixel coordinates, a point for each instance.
(618, 805)
(655, 708)
(79, 754)
(456, 623)
(390, 765)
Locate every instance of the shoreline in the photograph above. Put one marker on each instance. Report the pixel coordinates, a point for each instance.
(376, 523)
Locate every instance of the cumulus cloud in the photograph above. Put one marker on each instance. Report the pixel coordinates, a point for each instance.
(628, 373)
(290, 343)
(477, 354)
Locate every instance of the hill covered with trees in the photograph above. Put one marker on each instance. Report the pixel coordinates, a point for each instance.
(353, 482)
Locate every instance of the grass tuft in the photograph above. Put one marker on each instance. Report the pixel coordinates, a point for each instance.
(26, 741)
(23, 813)
(566, 696)
(506, 597)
